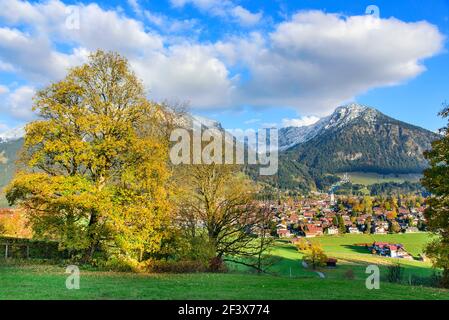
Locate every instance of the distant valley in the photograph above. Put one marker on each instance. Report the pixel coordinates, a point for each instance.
(354, 138)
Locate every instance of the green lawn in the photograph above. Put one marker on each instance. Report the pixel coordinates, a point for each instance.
(357, 258)
(49, 283)
(368, 178)
(288, 279)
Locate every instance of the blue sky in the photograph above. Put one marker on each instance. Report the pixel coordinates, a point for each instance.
(244, 63)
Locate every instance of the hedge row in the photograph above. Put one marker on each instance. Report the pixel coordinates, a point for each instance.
(30, 249)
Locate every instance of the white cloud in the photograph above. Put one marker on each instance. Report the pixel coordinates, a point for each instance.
(189, 72)
(186, 73)
(167, 24)
(18, 103)
(316, 61)
(299, 122)
(312, 62)
(201, 4)
(245, 17)
(110, 31)
(6, 67)
(98, 28)
(134, 4)
(34, 56)
(224, 9)
(3, 89)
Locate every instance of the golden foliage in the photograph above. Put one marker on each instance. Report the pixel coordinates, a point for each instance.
(315, 255)
(96, 162)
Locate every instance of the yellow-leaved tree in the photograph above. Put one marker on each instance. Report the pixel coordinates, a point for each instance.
(94, 171)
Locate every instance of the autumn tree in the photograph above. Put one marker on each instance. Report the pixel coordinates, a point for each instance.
(315, 256)
(394, 227)
(216, 203)
(94, 165)
(302, 244)
(367, 205)
(435, 180)
(14, 224)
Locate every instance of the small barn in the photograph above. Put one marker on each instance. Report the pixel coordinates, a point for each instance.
(331, 262)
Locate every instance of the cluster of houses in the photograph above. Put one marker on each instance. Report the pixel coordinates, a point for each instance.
(320, 215)
(389, 250)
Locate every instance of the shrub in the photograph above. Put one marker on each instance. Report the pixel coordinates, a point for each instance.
(121, 264)
(432, 281)
(32, 249)
(349, 274)
(394, 273)
(199, 249)
(216, 264)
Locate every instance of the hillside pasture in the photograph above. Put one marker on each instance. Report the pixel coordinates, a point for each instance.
(368, 178)
(287, 279)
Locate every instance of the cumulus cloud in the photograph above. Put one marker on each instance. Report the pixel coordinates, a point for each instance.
(216, 6)
(316, 61)
(18, 103)
(186, 73)
(313, 61)
(134, 4)
(224, 9)
(299, 122)
(245, 17)
(169, 25)
(6, 67)
(33, 56)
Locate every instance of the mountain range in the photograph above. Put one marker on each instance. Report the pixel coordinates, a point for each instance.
(353, 138)
(358, 138)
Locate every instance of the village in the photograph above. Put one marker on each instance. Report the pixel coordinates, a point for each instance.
(327, 214)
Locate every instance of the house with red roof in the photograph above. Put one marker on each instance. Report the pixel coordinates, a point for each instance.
(313, 230)
(389, 250)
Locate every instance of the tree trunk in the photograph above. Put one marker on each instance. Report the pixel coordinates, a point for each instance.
(93, 240)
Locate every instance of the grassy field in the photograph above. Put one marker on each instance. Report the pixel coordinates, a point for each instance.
(288, 279)
(368, 178)
(357, 258)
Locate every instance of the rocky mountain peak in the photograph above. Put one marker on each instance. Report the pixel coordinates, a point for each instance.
(347, 113)
(342, 116)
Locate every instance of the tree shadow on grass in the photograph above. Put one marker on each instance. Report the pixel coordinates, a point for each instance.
(288, 247)
(358, 249)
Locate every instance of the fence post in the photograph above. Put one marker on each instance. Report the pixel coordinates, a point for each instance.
(6, 251)
(28, 251)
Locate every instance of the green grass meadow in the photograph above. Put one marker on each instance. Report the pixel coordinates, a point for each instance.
(287, 279)
(368, 178)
